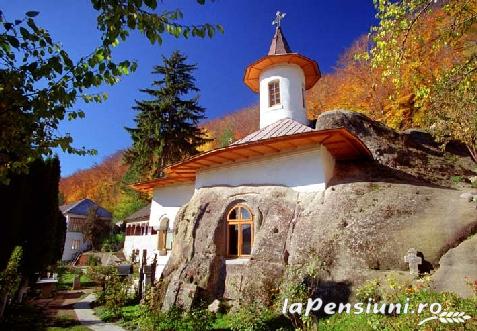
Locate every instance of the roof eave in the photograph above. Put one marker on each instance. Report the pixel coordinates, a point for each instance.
(341, 143)
(309, 67)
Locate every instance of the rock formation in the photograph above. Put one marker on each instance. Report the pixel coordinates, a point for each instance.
(360, 227)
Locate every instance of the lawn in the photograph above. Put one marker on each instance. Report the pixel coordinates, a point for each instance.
(65, 281)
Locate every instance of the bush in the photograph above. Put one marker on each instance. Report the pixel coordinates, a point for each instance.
(113, 243)
(252, 318)
(369, 290)
(394, 291)
(10, 278)
(114, 292)
(175, 319)
(299, 283)
(93, 261)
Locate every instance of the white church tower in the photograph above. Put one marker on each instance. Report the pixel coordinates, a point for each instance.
(282, 77)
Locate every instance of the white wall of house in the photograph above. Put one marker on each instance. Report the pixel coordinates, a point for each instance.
(68, 251)
(304, 171)
(166, 202)
(292, 82)
(149, 243)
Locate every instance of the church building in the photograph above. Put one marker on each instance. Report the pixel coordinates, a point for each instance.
(286, 151)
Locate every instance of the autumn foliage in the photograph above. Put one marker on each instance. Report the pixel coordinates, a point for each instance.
(231, 127)
(101, 183)
(353, 85)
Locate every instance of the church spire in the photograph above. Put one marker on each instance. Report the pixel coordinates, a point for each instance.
(279, 44)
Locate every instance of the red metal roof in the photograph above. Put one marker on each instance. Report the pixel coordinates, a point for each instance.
(283, 127)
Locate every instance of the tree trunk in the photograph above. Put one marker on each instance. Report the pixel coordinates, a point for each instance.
(3, 304)
(473, 152)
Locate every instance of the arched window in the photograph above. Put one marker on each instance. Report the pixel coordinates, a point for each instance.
(239, 231)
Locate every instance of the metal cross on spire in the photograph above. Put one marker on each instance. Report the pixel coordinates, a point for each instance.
(278, 18)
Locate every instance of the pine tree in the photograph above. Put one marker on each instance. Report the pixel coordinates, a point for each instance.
(167, 125)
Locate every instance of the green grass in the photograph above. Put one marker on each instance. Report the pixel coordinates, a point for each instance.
(221, 322)
(456, 179)
(72, 328)
(65, 281)
(258, 319)
(128, 317)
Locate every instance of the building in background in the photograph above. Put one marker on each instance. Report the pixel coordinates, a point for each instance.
(76, 214)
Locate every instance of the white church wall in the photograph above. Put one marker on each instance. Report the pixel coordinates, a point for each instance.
(329, 161)
(292, 81)
(147, 242)
(304, 171)
(161, 264)
(167, 201)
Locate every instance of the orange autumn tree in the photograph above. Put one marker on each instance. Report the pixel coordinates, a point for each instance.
(231, 127)
(100, 183)
(353, 85)
(386, 85)
(427, 48)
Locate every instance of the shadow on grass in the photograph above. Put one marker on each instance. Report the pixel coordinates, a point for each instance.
(27, 317)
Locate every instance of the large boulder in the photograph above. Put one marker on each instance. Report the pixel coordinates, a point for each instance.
(413, 153)
(457, 265)
(360, 227)
(358, 230)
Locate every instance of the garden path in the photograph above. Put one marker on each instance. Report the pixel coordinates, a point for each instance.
(86, 316)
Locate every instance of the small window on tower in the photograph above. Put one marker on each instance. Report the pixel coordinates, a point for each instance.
(274, 93)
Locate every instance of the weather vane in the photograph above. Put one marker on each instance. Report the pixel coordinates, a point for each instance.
(278, 18)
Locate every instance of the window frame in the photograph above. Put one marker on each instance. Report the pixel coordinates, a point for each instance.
(274, 101)
(239, 221)
(76, 245)
(163, 234)
(75, 224)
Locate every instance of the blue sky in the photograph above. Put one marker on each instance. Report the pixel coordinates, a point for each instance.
(319, 29)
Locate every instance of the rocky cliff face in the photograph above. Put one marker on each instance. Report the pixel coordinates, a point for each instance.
(360, 227)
